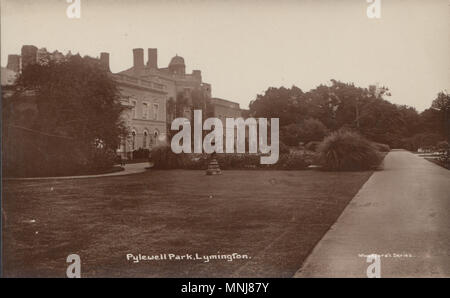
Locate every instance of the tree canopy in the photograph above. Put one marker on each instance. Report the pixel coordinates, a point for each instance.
(339, 104)
(74, 101)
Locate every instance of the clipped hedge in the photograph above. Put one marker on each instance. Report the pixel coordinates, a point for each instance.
(162, 157)
(294, 161)
(312, 146)
(141, 153)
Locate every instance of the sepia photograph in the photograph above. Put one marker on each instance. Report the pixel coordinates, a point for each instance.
(195, 139)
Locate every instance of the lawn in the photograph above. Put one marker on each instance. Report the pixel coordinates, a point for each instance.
(274, 217)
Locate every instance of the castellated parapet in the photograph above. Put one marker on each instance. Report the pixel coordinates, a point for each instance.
(13, 63)
(29, 55)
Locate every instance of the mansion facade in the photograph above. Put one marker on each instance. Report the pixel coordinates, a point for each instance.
(145, 89)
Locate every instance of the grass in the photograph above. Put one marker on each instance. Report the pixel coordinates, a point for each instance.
(276, 217)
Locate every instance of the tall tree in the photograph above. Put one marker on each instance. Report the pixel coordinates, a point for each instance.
(442, 105)
(74, 100)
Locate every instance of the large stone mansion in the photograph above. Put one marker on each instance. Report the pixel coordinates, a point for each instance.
(145, 90)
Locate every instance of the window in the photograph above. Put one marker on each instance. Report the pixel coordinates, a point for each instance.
(152, 140)
(144, 110)
(133, 109)
(133, 140)
(144, 142)
(155, 136)
(155, 111)
(187, 113)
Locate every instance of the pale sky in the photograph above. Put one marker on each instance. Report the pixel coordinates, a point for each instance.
(244, 47)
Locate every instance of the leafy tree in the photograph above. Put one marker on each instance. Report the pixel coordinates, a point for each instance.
(306, 131)
(181, 103)
(430, 121)
(312, 130)
(411, 119)
(286, 104)
(344, 105)
(442, 105)
(381, 121)
(200, 101)
(72, 101)
(442, 102)
(335, 105)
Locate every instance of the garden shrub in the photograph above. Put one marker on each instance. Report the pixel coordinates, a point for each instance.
(305, 131)
(193, 161)
(426, 141)
(289, 161)
(442, 146)
(312, 130)
(26, 154)
(163, 157)
(238, 161)
(141, 153)
(444, 159)
(381, 147)
(294, 161)
(347, 151)
(102, 158)
(312, 146)
(284, 148)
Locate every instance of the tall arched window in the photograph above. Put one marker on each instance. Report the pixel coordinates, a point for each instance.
(144, 141)
(155, 136)
(133, 140)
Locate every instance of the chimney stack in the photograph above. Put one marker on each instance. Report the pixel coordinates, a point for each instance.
(13, 63)
(197, 74)
(152, 58)
(138, 58)
(29, 55)
(104, 61)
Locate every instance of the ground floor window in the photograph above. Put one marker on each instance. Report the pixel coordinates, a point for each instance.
(155, 136)
(133, 140)
(144, 141)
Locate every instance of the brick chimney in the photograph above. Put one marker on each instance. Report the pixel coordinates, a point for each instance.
(138, 58)
(104, 61)
(197, 74)
(152, 58)
(29, 55)
(13, 63)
